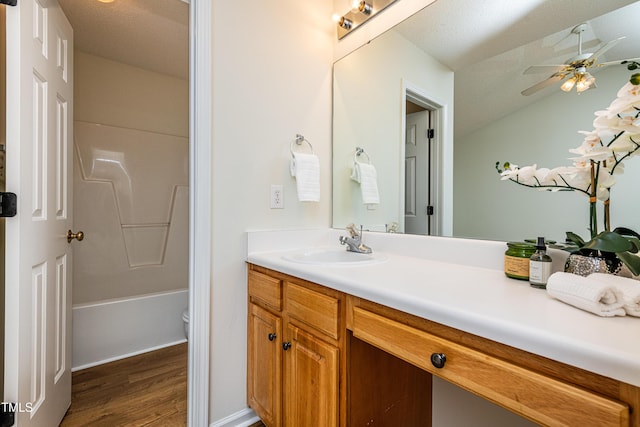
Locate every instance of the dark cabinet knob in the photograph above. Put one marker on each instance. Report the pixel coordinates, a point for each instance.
(272, 336)
(286, 346)
(438, 360)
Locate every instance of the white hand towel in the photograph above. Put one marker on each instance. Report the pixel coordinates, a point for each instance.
(366, 175)
(630, 289)
(306, 169)
(590, 295)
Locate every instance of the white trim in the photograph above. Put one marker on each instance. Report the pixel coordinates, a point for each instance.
(243, 418)
(200, 215)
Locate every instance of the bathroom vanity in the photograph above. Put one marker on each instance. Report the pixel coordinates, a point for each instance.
(356, 342)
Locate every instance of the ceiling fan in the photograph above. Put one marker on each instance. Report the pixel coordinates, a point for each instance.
(575, 68)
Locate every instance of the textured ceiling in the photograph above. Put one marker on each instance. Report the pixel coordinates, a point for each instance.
(489, 43)
(150, 34)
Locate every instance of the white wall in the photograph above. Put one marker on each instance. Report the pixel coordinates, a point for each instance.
(117, 94)
(486, 207)
(272, 79)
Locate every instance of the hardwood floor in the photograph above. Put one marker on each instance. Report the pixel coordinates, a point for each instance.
(145, 390)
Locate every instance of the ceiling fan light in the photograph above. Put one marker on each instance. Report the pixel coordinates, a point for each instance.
(568, 85)
(590, 79)
(585, 82)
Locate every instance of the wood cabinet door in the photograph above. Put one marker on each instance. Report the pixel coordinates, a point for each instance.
(311, 381)
(264, 376)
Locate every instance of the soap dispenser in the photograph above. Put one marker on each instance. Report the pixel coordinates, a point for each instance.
(539, 266)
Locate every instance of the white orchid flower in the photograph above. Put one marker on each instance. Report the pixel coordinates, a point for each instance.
(510, 172)
(615, 137)
(605, 179)
(597, 154)
(526, 175)
(627, 102)
(624, 144)
(543, 176)
(604, 120)
(617, 124)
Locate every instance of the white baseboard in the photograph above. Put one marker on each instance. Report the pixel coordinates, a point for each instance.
(115, 329)
(243, 418)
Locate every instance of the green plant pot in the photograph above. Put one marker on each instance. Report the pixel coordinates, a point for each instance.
(585, 265)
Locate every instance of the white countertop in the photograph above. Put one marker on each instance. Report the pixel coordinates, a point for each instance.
(477, 299)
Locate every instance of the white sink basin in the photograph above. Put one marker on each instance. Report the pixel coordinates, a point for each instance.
(333, 256)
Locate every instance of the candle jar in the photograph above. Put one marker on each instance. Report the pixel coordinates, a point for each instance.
(516, 260)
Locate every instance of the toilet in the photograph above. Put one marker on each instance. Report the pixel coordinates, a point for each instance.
(185, 319)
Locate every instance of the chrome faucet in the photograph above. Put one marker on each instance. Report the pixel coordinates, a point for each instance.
(354, 241)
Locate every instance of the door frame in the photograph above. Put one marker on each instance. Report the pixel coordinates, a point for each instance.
(200, 209)
(438, 110)
(200, 212)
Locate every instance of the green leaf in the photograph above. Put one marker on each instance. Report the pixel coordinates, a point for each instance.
(635, 242)
(608, 241)
(574, 238)
(631, 261)
(626, 232)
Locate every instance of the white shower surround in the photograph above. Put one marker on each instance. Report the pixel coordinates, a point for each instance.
(131, 201)
(131, 271)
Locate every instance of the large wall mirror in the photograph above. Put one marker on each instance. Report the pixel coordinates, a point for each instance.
(457, 67)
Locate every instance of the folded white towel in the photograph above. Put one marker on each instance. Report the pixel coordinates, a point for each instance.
(630, 289)
(587, 294)
(366, 175)
(306, 169)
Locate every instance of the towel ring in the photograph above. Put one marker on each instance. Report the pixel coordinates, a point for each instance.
(299, 140)
(360, 151)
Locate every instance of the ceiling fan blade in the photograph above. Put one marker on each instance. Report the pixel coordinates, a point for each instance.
(605, 48)
(618, 62)
(535, 69)
(543, 84)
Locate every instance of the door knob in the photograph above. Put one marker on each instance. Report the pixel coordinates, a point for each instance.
(71, 235)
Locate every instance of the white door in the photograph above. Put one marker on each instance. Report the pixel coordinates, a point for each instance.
(38, 256)
(417, 174)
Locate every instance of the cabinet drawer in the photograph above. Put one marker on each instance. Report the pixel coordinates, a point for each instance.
(530, 394)
(315, 309)
(265, 289)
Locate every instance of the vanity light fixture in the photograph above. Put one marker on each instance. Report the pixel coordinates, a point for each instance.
(360, 12)
(345, 23)
(363, 7)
